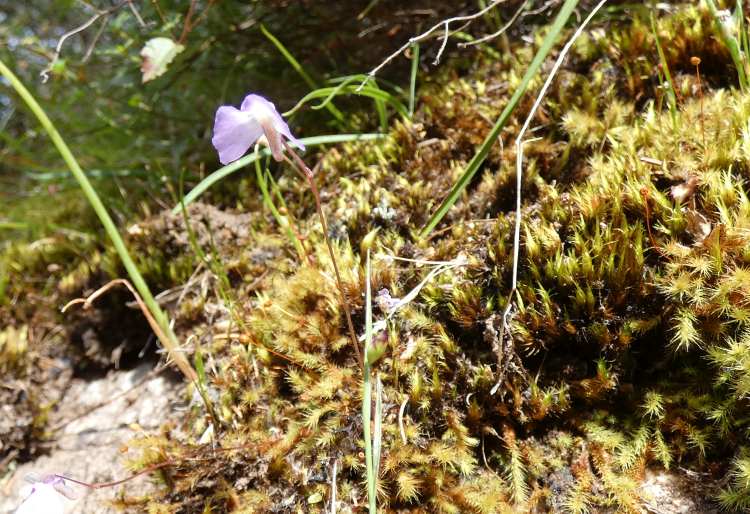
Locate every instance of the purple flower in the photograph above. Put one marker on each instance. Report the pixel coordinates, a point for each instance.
(236, 130)
(43, 496)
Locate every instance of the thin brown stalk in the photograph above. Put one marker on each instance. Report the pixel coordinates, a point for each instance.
(181, 363)
(696, 61)
(194, 457)
(307, 173)
(184, 367)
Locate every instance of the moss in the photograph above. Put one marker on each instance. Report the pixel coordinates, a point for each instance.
(629, 330)
(628, 342)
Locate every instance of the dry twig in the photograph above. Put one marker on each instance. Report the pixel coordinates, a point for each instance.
(58, 49)
(87, 302)
(445, 24)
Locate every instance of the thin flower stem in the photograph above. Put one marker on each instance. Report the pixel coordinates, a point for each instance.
(298, 164)
(371, 468)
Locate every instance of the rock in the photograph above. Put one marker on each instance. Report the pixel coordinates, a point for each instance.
(95, 420)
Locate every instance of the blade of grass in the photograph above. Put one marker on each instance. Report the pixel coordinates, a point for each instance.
(413, 78)
(671, 94)
(225, 171)
(381, 109)
(170, 342)
(377, 443)
(299, 69)
(484, 149)
(4, 280)
(268, 201)
(370, 91)
(367, 396)
(213, 261)
(732, 44)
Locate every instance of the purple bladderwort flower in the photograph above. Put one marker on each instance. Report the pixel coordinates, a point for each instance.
(235, 130)
(44, 495)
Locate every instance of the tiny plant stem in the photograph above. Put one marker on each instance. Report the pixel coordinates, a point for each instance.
(198, 455)
(696, 61)
(413, 81)
(170, 341)
(307, 173)
(284, 211)
(646, 196)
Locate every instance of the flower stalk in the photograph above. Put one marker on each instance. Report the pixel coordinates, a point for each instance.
(258, 121)
(299, 165)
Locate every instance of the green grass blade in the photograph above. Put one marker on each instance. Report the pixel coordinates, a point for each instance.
(413, 78)
(268, 201)
(200, 367)
(363, 77)
(732, 44)
(367, 396)
(289, 57)
(227, 170)
(381, 109)
(377, 443)
(299, 69)
(671, 94)
(484, 149)
(170, 341)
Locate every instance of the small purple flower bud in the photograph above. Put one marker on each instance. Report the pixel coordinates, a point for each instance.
(236, 130)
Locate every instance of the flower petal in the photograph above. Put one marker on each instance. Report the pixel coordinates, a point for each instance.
(261, 109)
(42, 500)
(258, 106)
(234, 133)
(283, 128)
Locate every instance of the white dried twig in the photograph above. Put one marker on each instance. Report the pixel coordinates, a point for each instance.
(445, 24)
(58, 49)
(401, 411)
(519, 169)
(333, 486)
(499, 32)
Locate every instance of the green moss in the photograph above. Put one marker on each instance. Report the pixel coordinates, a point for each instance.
(628, 342)
(629, 327)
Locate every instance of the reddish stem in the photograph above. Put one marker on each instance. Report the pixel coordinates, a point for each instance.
(305, 171)
(646, 196)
